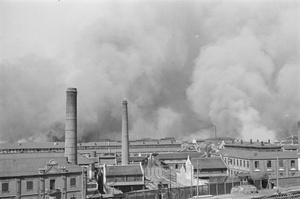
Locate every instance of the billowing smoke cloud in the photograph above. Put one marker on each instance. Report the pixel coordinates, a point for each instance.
(183, 67)
(238, 81)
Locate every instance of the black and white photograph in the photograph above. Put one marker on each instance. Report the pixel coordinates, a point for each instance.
(149, 99)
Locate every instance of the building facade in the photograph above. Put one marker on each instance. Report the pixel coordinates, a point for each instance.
(41, 178)
(259, 160)
(124, 177)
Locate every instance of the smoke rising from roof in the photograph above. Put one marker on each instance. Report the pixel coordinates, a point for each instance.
(183, 67)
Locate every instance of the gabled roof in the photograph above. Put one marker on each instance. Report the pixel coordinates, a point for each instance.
(122, 170)
(208, 163)
(24, 165)
(178, 155)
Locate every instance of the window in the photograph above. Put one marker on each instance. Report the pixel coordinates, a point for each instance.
(293, 164)
(29, 185)
(52, 184)
(269, 164)
(73, 197)
(73, 182)
(248, 164)
(5, 187)
(244, 164)
(237, 162)
(280, 163)
(256, 164)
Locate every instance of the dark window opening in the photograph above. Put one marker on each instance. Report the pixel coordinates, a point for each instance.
(256, 164)
(293, 163)
(269, 164)
(5, 187)
(29, 185)
(73, 181)
(52, 184)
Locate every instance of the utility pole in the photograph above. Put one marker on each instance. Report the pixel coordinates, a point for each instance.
(197, 178)
(170, 184)
(277, 175)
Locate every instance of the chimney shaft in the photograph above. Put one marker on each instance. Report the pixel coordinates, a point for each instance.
(215, 131)
(250, 141)
(298, 129)
(71, 126)
(125, 136)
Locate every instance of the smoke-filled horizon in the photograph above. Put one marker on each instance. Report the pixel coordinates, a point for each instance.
(183, 66)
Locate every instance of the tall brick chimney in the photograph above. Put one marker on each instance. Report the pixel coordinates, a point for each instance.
(71, 126)
(298, 130)
(125, 136)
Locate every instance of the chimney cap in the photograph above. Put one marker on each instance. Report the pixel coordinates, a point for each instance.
(124, 102)
(72, 89)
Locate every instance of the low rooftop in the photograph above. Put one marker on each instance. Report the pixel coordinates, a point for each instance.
(178, 155)
(258, 155)
(24, 165)
(208, 163)
(121, 170)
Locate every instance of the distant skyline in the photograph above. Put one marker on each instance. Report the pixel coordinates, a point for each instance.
(183, 66)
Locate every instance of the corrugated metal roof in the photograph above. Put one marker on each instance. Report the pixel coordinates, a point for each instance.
(121, 170)
(27, 166)
(209, 163)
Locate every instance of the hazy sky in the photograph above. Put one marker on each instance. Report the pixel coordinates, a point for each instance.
(184, 66)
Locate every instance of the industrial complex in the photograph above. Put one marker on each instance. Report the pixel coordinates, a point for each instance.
(148, 168)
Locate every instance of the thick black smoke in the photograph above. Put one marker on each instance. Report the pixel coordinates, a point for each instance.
(183, 66)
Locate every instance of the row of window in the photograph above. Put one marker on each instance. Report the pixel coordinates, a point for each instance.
(280, 164)
(130, 146)
(237, 162)
(29, 185)
(30, 150)
(124, 179)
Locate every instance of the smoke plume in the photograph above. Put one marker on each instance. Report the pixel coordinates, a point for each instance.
(183, 67)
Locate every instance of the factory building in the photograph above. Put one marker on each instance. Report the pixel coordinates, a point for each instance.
(259, 161)
(41, 176)
(136, 148)
(124, 177)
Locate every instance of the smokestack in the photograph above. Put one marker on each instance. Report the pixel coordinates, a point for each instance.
(298, 129)
(216, 131)
(71, 126)
(125, 136)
